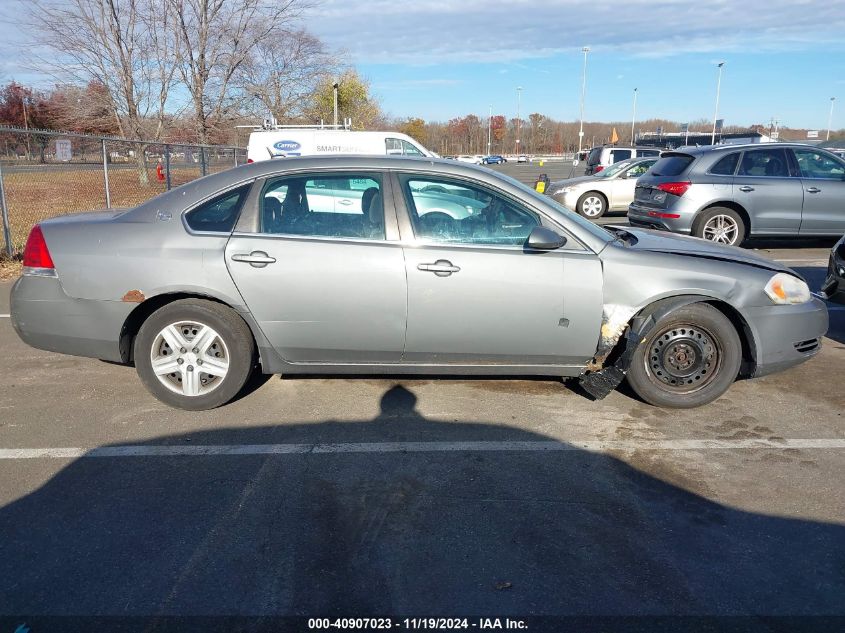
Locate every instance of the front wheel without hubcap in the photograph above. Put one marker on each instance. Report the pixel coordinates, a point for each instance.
(690, 358)
(194, 354)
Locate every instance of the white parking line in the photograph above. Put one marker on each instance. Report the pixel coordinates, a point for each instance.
(813, 262)
(417, 447)
(5, 316)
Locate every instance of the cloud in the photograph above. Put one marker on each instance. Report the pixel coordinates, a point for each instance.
(432, 31)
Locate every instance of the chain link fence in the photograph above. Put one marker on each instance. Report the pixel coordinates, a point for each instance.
(44, 174)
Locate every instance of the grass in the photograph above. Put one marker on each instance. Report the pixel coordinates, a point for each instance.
(33, 196)
(9, 268)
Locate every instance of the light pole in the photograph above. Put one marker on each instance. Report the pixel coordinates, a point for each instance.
(518, 101)
(634, 117)
(585, 50)
(830, 117)
(489, 128)
(716, 114)
(335, 86)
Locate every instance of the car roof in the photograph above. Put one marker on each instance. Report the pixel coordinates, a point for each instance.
(706, 149)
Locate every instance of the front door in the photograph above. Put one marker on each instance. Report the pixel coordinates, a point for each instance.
(477, 296)
(823, 178)
(320, 277)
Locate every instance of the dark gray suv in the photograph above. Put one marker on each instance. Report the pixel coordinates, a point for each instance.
(726, 193)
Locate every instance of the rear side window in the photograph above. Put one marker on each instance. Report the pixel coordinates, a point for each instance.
(619, 154)
(764, 162)
(726, 166)
(595, 156)
(673, 165)
(648, 152)
(219, 214)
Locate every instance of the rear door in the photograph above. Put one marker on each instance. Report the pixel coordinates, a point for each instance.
(622, 187)
(823, 180)
(477, 297)
(766, 187)
(325, 282)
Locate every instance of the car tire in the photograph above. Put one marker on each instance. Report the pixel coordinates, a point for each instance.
(211, 336)
(721, 225)
(689, 358)
(592, 205)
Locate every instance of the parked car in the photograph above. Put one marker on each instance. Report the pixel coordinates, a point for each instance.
(726, 193)
(834, 285)
(475, 160)
(494, 160)
(609, 190)
(603, 157)
(522, 158)
(204, 284)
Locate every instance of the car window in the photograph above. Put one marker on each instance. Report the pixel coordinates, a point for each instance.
(339, 205)
(611, 171)
(817, 165)
(764, 162)
(726, 166)
(672, 165)
(218, 214)
(648, 152)
(619, 154)
(393, 145)
(409, 149)
(639, 169)
(595, 156)
(457, 213)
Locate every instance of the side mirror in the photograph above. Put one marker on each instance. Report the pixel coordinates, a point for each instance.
(543, 239)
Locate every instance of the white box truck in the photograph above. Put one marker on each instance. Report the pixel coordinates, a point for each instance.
(283, 142)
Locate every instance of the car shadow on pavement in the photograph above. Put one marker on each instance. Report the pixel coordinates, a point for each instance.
(336, 529)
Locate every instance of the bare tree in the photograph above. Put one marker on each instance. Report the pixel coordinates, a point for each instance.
(214, 40)
(284, 71)
(119, 44)
(116, 43)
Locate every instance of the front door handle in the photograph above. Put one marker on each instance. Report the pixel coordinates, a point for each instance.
(441, 268)
(256, 259)
(814, 190)
(746, 188)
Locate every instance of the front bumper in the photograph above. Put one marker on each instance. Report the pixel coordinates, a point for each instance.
(833, 287)
(46, 318)
(786, 335)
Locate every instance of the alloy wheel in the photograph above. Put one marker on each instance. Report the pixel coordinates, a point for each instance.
(722, 229)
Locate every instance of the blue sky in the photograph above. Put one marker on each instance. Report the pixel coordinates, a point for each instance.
(439, 59)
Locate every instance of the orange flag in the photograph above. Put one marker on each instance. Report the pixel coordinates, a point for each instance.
(614, 137)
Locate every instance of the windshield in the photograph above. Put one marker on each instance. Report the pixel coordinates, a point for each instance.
(594, 229)
(613, 170)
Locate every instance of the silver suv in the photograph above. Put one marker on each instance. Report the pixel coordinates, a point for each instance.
(727, 193)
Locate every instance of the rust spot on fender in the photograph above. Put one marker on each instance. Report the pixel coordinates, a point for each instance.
(133, 296)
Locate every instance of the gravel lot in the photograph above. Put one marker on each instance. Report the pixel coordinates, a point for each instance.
(385, 497)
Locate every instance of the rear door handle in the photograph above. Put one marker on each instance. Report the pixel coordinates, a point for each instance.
(256, 259)
(814, 190)
(441, 268)
(746, 188)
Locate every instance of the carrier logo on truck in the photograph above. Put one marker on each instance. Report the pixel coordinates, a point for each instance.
(287, 146)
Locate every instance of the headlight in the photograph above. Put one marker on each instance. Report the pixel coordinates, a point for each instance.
(785, 289)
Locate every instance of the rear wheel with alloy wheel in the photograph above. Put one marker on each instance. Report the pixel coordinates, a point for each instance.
(194, 354)
(592, 205)
(721, 225)
(690, 358)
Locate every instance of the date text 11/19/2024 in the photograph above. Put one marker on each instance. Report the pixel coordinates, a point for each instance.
(430, 624)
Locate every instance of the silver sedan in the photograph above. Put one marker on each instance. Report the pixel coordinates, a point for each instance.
(263, 268)
(611, 189)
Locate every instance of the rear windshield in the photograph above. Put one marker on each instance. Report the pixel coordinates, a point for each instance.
(671, 165)
(595, 156)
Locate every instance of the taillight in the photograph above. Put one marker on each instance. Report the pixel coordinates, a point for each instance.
(598, 169)
(675, 188)
(249, 160)
(35, 253)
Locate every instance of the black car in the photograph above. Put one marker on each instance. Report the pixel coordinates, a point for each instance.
(834, 286)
